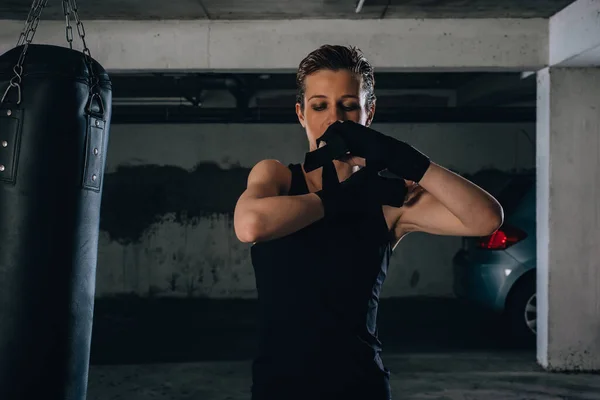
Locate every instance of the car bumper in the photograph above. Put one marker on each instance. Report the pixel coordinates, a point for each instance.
(484, 277)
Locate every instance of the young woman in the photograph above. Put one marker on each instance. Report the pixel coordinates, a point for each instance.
(322, 240)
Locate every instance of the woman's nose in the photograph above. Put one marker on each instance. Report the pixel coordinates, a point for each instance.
(335, 113)
(335, 116)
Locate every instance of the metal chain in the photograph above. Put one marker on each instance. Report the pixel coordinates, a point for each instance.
(86, 50)
(28, 22)
(68, 29)
(25, 40)
(35, 10)
(81, 31)
(80, 28)
(28, 33)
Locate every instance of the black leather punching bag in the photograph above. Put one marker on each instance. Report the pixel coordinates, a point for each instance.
(54, 134)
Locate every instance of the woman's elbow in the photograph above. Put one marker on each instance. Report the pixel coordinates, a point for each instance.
(248, 227)
(493, 220)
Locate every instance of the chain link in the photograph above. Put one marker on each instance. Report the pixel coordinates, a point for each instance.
(28, 22)
(33, 12)
(28, 33)
(31, 27)
(81, 32)
(25, 40)
(88, 57)
(68, 29)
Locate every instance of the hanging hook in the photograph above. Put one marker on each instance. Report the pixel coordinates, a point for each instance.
(15, 81)
(10, 86)
(89, 107)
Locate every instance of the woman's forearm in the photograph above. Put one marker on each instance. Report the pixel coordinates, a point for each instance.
(473, 206)
(268, 218)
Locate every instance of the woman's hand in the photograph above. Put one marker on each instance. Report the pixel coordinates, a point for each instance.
(379, 150)
(354, 161)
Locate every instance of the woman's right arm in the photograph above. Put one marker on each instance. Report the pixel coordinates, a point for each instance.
(263, 212)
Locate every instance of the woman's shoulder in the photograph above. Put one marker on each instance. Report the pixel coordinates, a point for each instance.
(271, 170)
(271, 166)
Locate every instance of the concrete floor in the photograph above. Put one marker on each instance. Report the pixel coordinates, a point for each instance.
(201, 350)
(462, 376)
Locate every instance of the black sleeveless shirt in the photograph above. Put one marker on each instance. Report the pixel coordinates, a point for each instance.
(318, 294)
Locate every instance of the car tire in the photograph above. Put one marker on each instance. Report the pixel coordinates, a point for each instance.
(521, 311)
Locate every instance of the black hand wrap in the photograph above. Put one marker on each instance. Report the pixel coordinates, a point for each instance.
(364, 191)
(379, 150)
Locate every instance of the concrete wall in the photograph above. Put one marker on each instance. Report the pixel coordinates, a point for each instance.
(170, 190)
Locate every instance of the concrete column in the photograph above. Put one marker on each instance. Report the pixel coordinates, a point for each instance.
(574, 35)
(568, 215)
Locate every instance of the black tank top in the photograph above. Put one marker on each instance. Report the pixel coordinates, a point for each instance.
(318, 294)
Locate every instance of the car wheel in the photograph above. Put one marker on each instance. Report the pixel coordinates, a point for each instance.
(521, 311)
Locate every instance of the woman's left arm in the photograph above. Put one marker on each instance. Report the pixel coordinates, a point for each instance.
(450, 205)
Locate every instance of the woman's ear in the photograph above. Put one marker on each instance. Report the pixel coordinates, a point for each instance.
(300, 115)
(370, 115)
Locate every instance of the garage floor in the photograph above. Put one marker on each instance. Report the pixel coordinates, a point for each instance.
(201, 350)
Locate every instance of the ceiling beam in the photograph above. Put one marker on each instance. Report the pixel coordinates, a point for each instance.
(495, 89)
(392, 45)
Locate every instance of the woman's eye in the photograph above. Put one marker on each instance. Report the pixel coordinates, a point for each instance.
(344, 107)
(350, 107)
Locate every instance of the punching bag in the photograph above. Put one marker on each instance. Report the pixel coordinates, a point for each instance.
(54, 129)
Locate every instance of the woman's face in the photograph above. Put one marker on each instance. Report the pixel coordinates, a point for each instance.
(332, 96)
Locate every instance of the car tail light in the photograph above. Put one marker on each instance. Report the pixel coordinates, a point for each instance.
(502, 239)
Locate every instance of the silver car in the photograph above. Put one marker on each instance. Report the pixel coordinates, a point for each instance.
(498, 272)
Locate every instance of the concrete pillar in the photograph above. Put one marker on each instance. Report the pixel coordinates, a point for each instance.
(568, 215)
(574, 35)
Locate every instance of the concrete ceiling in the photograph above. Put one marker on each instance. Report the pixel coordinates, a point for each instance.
(290, 9)
(406, 97)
